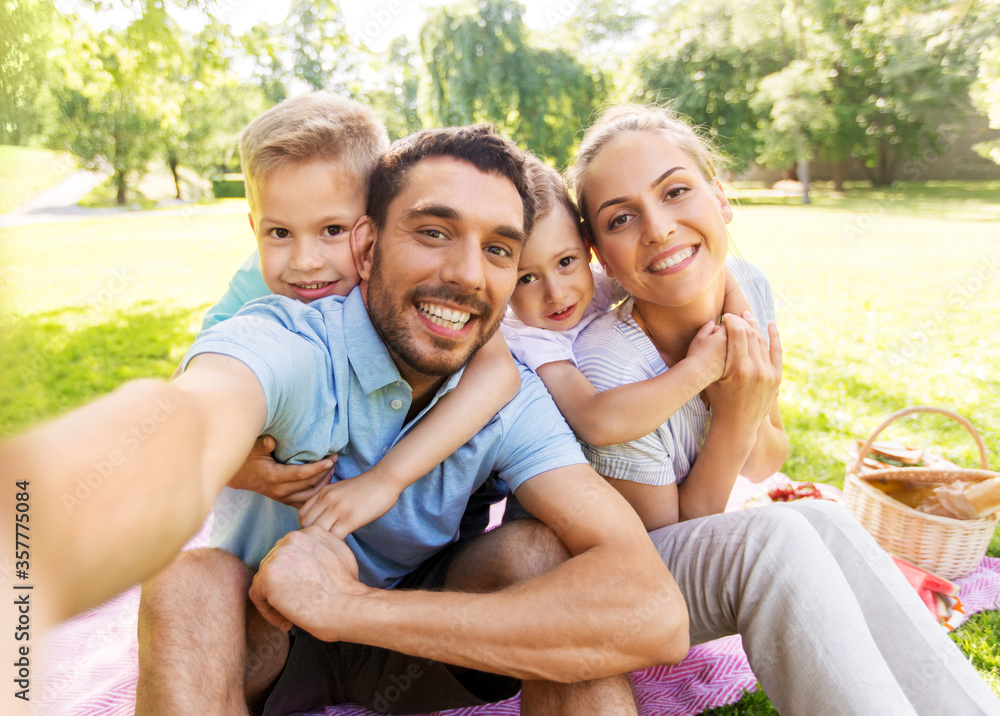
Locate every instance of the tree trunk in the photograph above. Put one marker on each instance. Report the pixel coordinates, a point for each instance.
(839, 171)
(120, 183)
(884, 170)
(803, 172)
(802, 169)
(177, 180)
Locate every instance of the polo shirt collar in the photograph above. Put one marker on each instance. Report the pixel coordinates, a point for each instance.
(369, 357)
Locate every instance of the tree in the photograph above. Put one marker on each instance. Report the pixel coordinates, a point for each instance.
(482, 68)
(705, 60)
(310, 49)
(397, 97)
(205, 105)
(797, 117)
(986, 94)
(25, 39)
(109, 95)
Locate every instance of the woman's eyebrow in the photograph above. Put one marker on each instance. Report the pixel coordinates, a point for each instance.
(655, 183)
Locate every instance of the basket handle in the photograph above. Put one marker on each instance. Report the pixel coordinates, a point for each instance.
(984, 461)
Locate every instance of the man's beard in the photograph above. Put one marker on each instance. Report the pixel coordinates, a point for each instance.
(387, 320)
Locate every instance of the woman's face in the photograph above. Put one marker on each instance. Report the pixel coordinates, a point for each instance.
(659, 226)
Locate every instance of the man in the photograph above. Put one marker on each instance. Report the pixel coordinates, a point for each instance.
(448, 213)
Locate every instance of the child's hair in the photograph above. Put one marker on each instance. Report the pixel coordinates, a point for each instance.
(480, 145)
(549, 189)
(616, 121)
(310, 127)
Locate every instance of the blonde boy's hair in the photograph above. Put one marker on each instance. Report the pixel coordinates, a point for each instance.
(619, 120)
(318, 126)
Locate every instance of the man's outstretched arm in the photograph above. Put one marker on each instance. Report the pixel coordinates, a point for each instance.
(117, 486)
(611, 608)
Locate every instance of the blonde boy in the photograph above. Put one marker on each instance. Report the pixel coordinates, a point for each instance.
(306, 163)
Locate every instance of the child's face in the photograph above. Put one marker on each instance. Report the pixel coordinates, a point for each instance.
(554, 283)
(303, 222)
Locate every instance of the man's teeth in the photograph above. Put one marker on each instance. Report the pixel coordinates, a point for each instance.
(444, 317)
(313, 285)
(672, 260)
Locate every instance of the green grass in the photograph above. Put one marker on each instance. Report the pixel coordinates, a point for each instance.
(25, 171)
(884, 301)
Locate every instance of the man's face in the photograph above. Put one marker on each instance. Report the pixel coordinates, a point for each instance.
(444, 265)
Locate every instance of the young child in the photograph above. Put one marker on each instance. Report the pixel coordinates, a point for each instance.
(558, 294)
(306, 163)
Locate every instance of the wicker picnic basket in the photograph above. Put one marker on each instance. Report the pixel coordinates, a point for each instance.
(948, 547)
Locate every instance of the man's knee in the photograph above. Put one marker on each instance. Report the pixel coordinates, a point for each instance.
(531, 549)
(515, 552)
(193, 581)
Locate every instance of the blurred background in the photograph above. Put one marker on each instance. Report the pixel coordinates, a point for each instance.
(834, 90)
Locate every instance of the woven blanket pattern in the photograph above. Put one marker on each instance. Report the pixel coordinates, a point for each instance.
(89, 665)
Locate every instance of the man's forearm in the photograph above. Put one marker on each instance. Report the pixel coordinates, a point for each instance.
(119, 485)
(589, 618)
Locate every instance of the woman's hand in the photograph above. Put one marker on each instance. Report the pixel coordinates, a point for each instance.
(749, 385)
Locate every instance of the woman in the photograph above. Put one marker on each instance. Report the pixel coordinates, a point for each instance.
(828, 622)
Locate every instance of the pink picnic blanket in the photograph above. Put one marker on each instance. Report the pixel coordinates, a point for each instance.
(90, 664)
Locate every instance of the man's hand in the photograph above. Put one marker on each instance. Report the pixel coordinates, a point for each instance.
(290, 484)
(343, 506)
(308, 580)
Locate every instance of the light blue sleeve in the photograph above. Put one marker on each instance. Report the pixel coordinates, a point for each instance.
(536, 437)
(246, 285)
(284, 343)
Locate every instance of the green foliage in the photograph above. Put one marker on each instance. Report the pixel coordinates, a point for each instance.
(110, 96)
(978, 640)
(482, 68)
(986, 94)
(844, 78)
(397, 98)
(226, 188)
(703, 63)
(25, 41)
(754, 703)
(797, 115)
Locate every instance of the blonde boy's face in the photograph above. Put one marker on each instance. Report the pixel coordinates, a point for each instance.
(554, 282)
(303, 222)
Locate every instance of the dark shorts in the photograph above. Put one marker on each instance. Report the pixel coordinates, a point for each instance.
(319, 673)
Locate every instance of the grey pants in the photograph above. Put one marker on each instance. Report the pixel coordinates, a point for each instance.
(829, 624)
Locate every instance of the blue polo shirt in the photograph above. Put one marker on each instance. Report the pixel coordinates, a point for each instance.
(331, 387)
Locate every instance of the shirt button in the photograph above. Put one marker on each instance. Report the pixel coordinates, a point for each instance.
(396, 404)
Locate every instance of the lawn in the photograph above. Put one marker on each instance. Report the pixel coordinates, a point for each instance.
(883, 299)
(24, 172)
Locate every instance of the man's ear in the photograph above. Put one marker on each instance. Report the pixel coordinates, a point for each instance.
(252, 227)
(724, 207)
(363, 246)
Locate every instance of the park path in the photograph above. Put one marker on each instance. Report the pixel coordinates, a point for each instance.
(60, 202)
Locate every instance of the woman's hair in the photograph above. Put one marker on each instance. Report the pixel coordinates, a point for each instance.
(621, 119)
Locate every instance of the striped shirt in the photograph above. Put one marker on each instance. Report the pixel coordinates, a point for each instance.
(613, 350)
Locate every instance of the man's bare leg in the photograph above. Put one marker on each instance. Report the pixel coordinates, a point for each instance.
(512, 553)
(203, 648)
